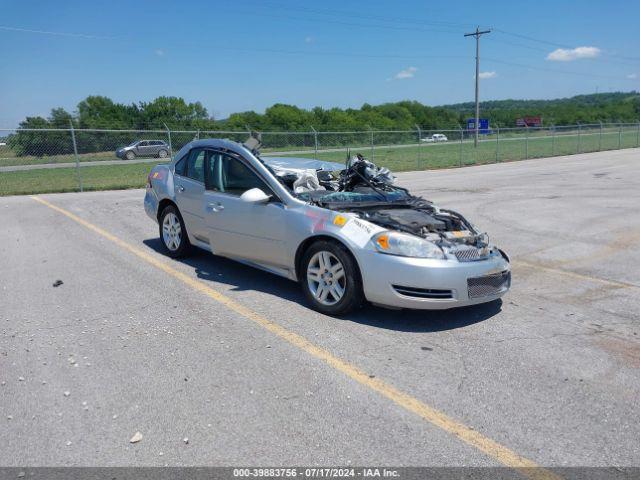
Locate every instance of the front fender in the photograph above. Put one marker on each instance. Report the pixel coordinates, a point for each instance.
(318, 223)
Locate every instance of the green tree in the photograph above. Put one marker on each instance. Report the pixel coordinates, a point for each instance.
(173, 112)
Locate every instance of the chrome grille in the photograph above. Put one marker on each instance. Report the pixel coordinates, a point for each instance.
(489, 285)
(470, 254)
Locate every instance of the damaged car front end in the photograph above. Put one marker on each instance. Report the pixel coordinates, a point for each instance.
(347, 233)
(417, 255)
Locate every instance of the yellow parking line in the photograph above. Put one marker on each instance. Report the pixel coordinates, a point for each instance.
(467, 434)
(579, 276)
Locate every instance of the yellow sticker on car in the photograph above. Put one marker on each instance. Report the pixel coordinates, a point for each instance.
(340, 220)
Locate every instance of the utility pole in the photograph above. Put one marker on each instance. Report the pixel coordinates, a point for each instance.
(477, 34)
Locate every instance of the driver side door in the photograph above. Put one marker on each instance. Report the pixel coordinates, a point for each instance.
(237, 228)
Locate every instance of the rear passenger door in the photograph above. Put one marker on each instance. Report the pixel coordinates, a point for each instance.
(189, 188)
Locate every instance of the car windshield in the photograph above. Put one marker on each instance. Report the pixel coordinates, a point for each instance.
(325, 196)
(133, 144)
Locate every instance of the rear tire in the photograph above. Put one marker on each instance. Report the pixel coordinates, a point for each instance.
(330, 278)
(163, 154)
(173, 233)
(130, 155)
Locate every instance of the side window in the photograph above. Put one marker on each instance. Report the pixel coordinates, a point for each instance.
(143, 144)
(181, 166)
(195, 165)
(230, 175)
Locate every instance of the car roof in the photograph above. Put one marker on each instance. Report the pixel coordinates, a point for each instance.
(302, 163)
(211, 143)
(282, 162)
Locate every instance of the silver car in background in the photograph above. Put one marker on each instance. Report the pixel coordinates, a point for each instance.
(144, 148)
(346, 234)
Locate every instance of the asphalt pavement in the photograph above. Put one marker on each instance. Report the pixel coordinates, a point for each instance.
(551, 373)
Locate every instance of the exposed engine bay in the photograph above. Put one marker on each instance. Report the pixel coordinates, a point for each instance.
(367, 191)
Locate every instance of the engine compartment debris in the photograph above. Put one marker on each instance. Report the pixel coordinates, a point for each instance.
(367, 191)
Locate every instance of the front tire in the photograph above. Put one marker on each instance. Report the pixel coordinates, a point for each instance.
(173, 233)
(130, 155)
(330, 278)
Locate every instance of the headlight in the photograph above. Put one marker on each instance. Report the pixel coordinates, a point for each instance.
(404, 245)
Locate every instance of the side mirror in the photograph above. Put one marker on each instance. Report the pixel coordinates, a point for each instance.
(255, 195)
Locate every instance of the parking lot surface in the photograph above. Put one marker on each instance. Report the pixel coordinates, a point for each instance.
(551, 373)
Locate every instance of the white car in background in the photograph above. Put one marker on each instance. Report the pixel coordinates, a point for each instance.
(436, 137)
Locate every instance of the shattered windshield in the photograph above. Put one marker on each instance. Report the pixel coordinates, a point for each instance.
(370, 195)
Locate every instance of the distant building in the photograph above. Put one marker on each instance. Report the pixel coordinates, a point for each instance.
(529, 121)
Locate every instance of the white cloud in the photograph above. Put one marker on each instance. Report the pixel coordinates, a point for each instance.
(308, 39)
(406, 73)
(484, 75)
(571, 54)
(632, 76)
(159, 52)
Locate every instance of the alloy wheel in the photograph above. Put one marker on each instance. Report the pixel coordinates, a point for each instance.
(326, 278)
(171, 231)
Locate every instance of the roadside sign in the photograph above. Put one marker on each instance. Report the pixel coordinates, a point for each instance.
(484, 125)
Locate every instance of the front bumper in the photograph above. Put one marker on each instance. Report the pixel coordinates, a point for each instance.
(428, 284)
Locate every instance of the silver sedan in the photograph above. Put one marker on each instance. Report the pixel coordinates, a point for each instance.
(346, 233)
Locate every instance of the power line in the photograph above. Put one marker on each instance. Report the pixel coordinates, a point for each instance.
(60, 34)
(384, 18)
(553, 70)
(554, 44)
(605, 59)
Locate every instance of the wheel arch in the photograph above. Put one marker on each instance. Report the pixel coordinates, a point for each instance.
(164, 203)
(306, 243)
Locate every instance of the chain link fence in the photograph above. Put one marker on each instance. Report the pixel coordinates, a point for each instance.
(58, 160)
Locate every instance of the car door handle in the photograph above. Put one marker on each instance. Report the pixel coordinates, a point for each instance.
(215, 207)
(180, 188)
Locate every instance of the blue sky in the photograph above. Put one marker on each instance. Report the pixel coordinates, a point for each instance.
(246, 55)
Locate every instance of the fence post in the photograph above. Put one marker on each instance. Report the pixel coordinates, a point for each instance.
(315, 141)
(461, 135)
(198, 134)
(75, 153)
(600, 138)
(419, 149)
(373, 153)
(497, 144)
(638, 135)
(620, 137)
(169, 138)
(579, 137)
(553, 140)
(526, 144)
